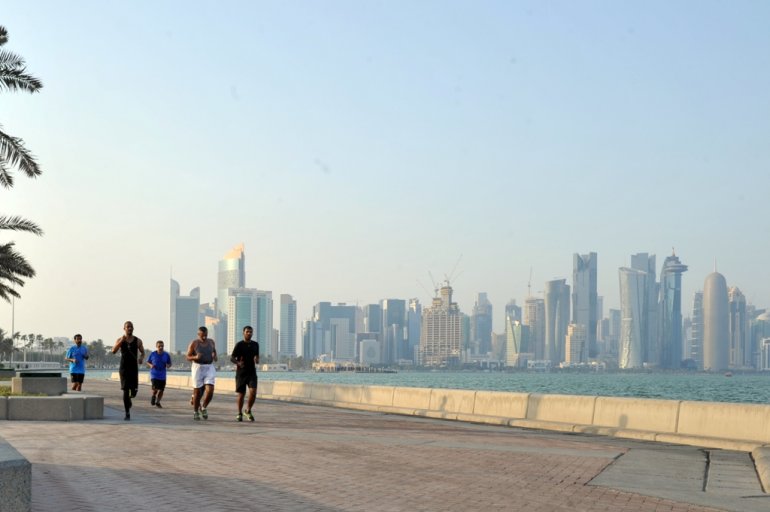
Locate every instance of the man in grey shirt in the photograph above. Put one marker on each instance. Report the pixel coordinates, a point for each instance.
(202, 353)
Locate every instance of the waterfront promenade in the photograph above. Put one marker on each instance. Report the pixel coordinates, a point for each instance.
(301, 457)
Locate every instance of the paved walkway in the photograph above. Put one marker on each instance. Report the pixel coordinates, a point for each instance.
(308, 458)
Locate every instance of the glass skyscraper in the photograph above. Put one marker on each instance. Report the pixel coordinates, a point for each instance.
(671, 310)
(584, 298)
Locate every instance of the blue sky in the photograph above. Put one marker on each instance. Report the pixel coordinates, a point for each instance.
(356, 146)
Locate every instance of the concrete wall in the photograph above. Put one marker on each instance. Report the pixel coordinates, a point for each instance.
(52, 408)
(709, 424)
(15, 480)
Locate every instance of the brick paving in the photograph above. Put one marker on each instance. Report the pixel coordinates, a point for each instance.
(307, 458)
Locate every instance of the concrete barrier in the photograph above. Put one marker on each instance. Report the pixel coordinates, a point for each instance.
(15, 480)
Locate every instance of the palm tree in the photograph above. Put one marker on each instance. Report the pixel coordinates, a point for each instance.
(6, 345)
(14, 156)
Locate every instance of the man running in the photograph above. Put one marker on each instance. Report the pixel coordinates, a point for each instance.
(202, 352)
(246, 358)
(158, 362)
(76, 356)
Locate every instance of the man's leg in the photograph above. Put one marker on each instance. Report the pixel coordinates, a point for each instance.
(208, 395)
(239, 401)
(252, 398)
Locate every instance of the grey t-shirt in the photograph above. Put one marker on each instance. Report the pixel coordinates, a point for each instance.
(205, 351)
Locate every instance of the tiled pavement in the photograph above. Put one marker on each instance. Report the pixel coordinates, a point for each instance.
(308, 458)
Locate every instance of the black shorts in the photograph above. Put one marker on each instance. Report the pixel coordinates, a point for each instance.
(158, 384)
(77, 378)
(244, 381)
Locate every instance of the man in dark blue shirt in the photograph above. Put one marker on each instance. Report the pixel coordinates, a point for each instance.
(158, 362)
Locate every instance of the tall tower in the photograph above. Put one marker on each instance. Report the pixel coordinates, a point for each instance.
(671, 309)
(650, 340)
(556, 319)
(232, 274)
(633, 287)
(248, 306)
(184, 321)
(738, 327)
(287, 342)
(584, 297)
(481, 324)
(441, 332)
(716, 334)
(413, 326)
(393, 324)
(534, 319)
(575, 345)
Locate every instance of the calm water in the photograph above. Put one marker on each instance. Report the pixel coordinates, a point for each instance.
(751, 388)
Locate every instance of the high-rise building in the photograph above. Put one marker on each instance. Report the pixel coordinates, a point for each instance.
(696, 330)
(332, 332)
(585, 298)
(716, 330)
(481, 325)
(650, 338)
(249, 306)
(738, 325)
(633, 287)
(413, 326)
(232, 274)
(394, 345)
(184, 319)
(516, 335)
(576, 350)
(557, 298)
(764, 355)
(760, 330)
(288, 332)
(612, 339)
(441, 333)
(671, 340)
(372, 318)
(534, 319)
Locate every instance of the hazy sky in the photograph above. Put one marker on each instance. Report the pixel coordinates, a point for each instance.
(354, 146)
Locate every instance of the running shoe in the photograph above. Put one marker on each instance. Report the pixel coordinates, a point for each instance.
(249, 415)
(239, 417)
(152, 400)
(157, 404)
(128, 417)
(134, 392)
(197, 416)
(205, 414)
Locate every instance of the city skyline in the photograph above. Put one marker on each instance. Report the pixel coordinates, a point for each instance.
(354, 148)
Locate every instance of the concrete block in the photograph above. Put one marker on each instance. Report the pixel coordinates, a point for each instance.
(281, 388)
(412, 398)
(94, 407)
(50, 386)
(46, 408)
(378, 395)
(543, 425)
(573, 409)
(452, 401)
(264, 387)
(15, 480)
(741, 422)
(761, 458)
(3, 408)
(323, 392)
(301, 389)
(225, 384)
(348, 394)
(500, 404)
(636, 413)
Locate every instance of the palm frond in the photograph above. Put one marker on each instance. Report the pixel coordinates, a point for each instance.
(13, 267)
(13, 153)
(3, 35)
(6, 178)
(17, 223)
(10, 60)
(16, 79)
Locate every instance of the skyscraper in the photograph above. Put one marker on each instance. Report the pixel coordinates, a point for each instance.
(481, 325)
(633, 296)
(232, 274)
(716, 334)
(288, 332)
(515, 341)
(394, 345)
(249, 306)
(184, 320)
(575, 344)
(696, 336)
(372, 318)
(738, 326)
(332, 332)
(534, 319)
(650, 339)
(441, 332)
(584, 297)
(413, 326)
(671, 309)
(557, 298)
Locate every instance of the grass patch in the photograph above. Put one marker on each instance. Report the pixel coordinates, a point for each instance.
(6, 391)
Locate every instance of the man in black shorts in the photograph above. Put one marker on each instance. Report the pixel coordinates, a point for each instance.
(246, 358)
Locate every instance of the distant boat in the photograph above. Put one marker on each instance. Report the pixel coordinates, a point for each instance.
(728, 374)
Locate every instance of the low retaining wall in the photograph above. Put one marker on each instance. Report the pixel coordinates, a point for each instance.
(66, 407)
(728, 426)
(15, 480)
